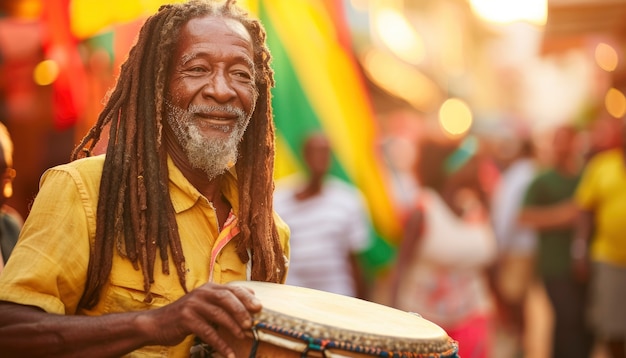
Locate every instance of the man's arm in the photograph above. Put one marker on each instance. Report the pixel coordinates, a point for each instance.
(28, 331)
(554, 216)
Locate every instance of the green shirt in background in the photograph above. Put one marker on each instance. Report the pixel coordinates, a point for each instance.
(553, 246)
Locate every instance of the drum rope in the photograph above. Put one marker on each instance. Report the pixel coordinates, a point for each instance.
(255, 343)
(322, 345)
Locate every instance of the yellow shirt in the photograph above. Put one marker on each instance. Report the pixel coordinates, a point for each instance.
(48, 267)
(603, 190)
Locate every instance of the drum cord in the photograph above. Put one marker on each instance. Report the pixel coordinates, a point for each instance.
(309, 340)
(321, 345)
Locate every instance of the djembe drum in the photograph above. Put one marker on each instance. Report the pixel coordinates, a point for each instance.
(303, 322)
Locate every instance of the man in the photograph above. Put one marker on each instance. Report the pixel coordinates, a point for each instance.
(129, 253)
(601, 229)
(549, 193)
(329, 224)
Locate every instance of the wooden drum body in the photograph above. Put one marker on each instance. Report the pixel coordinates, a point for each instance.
(302, 322)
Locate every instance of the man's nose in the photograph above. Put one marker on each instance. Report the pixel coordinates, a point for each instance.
(219, 87)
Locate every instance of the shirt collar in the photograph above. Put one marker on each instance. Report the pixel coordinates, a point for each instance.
(184, 195)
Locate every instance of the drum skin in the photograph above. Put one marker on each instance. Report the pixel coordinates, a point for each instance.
(297, 319)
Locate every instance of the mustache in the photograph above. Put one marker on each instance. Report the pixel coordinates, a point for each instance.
(200, 108)
(213, 108)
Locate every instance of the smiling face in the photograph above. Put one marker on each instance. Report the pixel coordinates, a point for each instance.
(211, 92)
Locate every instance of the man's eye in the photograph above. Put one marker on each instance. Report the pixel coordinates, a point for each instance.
(196, 69)
(243, 74)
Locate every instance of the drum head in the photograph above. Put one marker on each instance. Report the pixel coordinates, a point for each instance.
(346, 321)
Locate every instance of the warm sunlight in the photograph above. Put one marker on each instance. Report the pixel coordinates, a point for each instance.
(399, 36)
(506, 11)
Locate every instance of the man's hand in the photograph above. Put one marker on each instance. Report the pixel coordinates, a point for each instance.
(200, 313)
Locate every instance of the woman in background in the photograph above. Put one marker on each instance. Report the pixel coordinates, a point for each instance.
(448, 246)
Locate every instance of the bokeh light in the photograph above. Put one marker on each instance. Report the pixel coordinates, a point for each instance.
(615, 103)
(455, 117)
(606, 57)
(398, 35)
(402, 80)
(46, 72)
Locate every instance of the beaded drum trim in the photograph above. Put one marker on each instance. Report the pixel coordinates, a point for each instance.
(322, 337)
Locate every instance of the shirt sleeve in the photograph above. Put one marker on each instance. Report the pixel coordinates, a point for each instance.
(532, 192)
(49, 263)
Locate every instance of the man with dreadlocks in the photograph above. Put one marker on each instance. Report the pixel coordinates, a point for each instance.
(129, 252)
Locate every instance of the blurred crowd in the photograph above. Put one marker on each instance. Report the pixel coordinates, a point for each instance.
(511, 241)
(514, 242)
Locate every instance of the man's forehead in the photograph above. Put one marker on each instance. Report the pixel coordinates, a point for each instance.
(211, 25)
(239, 28)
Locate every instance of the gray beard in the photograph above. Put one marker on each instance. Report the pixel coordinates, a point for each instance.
(212, 156)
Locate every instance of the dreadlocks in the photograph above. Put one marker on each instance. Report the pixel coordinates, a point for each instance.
(139, 224)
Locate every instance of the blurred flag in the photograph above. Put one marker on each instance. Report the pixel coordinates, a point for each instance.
(319, 87)
(90, 17)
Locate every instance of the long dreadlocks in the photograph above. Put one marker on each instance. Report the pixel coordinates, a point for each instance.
(135, 213)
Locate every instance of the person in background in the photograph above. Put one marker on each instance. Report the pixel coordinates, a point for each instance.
(10, 220)
(448, 247)
(604, 133)
(599, 247)
(329, 223)
(513, 272)
(548, 192)
(130, 253)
